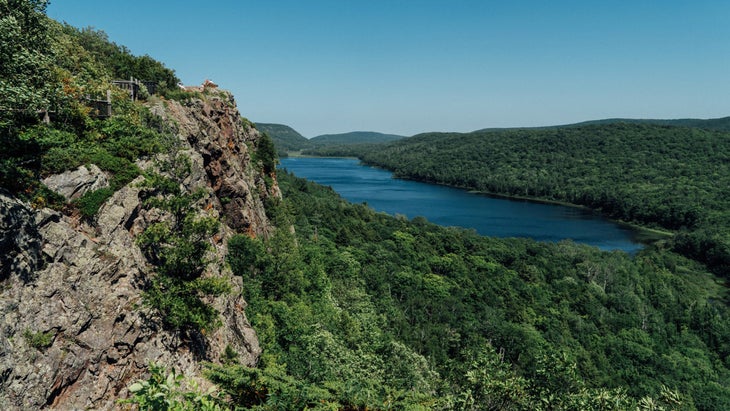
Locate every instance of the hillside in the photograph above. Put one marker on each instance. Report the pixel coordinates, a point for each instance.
(719, 124)
(285, 138)
(661, 176)
(354, 137)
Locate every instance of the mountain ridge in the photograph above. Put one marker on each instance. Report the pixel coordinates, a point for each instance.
(720, 124)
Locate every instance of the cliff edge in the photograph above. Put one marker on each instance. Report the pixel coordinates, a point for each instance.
(75, 332)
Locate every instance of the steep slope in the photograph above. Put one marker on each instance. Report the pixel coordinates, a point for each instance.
(75, 330)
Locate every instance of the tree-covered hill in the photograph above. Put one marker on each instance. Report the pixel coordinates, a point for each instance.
(354, 137)
(719, 124)
(285, 138)
(668, 177)
(360, 310)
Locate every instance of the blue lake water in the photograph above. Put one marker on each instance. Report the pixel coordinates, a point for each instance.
(454, 207)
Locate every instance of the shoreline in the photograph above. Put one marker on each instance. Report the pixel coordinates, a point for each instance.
(645, 235)
(298, 154)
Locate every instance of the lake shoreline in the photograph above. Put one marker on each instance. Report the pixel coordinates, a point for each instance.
(645, 235)
(489, 215)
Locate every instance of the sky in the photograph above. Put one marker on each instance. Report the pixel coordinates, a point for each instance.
(407, 66)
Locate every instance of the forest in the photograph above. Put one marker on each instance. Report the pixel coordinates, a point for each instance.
(665, 177)
(369, 311)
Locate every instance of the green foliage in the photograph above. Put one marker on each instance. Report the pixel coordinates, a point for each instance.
(270, 389)
(120, 62)
(91, 201)
(266, 153)
(46, 67)
(408, 314)
(171, 393)
(658, 176)
(39, 340)
(181, 305)
(179, 250)
(179, 94)
(27, 83)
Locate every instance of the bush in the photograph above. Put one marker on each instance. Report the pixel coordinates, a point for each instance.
(38, 340)
(180, 305)
(91, 201)
(160, 392)
(45, 137)
(179, 94)
(178, 249)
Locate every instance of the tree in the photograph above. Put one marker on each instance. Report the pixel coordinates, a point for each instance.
(26, 77)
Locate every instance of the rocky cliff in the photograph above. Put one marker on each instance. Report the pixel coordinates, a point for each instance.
(74, 332)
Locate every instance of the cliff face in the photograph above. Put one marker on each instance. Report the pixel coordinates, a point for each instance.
(74, 333)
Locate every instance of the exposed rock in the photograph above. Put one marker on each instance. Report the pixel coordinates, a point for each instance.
(222, 142)
(73, 184)
(19, 239)
(80, 286)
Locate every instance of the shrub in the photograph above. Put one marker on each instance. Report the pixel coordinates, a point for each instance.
(180, 305)
(160, 392)
(178, 249)
(45, 137)
(38, 340)
(91, 201)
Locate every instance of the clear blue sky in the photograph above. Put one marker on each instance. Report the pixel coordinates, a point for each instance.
(407, 66)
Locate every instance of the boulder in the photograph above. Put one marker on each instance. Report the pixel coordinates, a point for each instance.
(73, 184)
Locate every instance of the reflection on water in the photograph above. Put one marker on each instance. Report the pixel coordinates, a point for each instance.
(454, 207)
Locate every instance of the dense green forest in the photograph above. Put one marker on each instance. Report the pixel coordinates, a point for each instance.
(720, 124)
(359, 310)
(666, 177)
(362, 310)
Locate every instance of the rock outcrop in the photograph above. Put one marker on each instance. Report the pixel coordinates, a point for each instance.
(20, 242)
(222, 144)
(74, 332)
(73, 184)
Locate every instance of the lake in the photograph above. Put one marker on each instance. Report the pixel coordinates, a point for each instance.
(449, 206)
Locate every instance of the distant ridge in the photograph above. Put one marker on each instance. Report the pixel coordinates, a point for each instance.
(719, 124)
(285, 138)
(355, 137)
